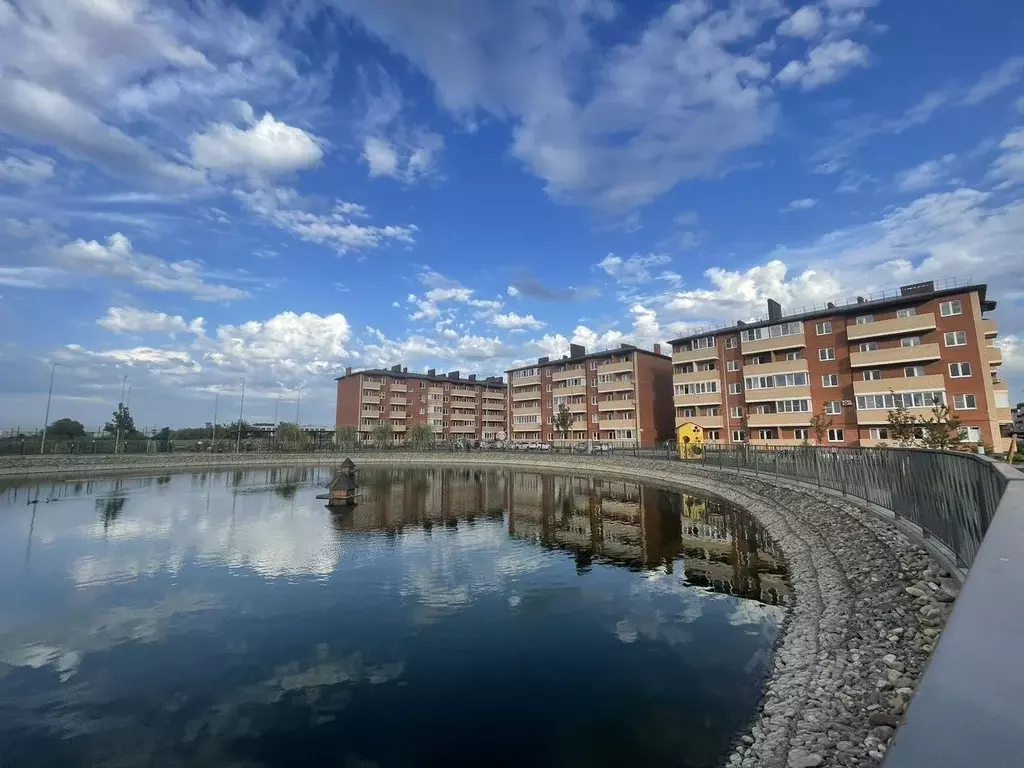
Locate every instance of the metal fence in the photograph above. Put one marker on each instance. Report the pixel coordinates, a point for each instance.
(951, 496)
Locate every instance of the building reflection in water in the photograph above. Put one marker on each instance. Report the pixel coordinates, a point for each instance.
(719, 546)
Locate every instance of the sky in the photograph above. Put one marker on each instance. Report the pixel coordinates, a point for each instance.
(193, 194)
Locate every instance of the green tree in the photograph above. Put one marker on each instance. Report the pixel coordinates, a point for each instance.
(122, 423)
(67, 429)
(563, 421)
(383, 434)
(903, 426)
(346, 436)
(820, 425)
(231, 430)
(941, 430)
(420, 435)
(291, 436)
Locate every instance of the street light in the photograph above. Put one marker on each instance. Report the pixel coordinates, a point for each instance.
(46, 419)
(241, 404)
(216, 401)
(117, 432)
(298, 402)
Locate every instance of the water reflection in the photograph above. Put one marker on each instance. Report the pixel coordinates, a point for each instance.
(231, 619)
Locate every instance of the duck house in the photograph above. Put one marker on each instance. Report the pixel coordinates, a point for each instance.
(343, 490)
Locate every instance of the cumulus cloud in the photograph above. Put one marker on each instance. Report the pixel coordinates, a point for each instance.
(803, 204)
(28, 169)
(267, 147)
(512, 320)
(132, 320)
(391, 148)
(805, 22)
(635, 268)
(824, 64)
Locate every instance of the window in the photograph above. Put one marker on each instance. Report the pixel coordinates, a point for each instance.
(830, 380)
(593, 399)
(950, 308)
(833, 407)
(970, 434)
(836, 436)
(796, 355)
(763, 409)
(736, 412)
(908, 312)
(959, 370)
(778, 380)
(913, 371)
(766, 434)
(965, 402)
(738, 435)
(869, 346)
(697, 388)
(773, 331)
(800, 434)
(712, 411)
(792, 406)
(713, 435)
(595, 435)
(689, 413)
(879, 433)
(910, 341)
(593, 418)
(828, 353)
(735, 388)
(593, 365)
(824, 328)
(732, 342)
(872, 375)
(549, 387)
(1002, 399)
(896, 399)
(732, 365)
(955, 338)
(865, 319)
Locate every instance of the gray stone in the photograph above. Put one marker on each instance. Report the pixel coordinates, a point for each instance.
(883, 732)
(806, 761)
(884, 718)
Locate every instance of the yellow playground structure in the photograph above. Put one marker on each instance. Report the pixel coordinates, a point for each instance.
(690, 440)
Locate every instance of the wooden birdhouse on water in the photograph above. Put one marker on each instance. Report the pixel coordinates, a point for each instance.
(343, 490)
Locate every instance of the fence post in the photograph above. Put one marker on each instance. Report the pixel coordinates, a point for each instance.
(842, 473)
(776, 464)
(817, 470)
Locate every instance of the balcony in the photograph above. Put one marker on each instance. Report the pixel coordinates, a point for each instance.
(617, 424)
(526, 410)
(895, 356)
(995, 355)
(370, 414)
(769, 345)
(573, 407)
(780, 366)
(399, 388)
(708, 422)
(881, 416)
(399, 401)
(932, 383)
(526, 427)
(493, 418)
(518, 397)
(397, 415)
(617, 367)
(989, 328)
(689, 378)
(789, 442)
(572, 373)
(757, 420)
(770, 394)
(567, 391)
(494, 396)
(695, 355)
(615, 405)
(899, 326)
(619, 385)
(708, 398)
(398, 427)
(525, 381)
(461, 428)
(371, 400)
(371, 385)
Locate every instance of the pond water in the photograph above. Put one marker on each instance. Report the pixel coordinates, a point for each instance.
(452, 618)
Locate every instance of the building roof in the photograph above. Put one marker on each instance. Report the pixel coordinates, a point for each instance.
(578, 357)
(908, 295)
(452, 377)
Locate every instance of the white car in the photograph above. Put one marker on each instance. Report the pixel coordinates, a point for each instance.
(531, 446)
(543, 446)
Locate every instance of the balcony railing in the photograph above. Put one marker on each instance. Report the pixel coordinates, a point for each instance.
(894, 327)
(895, 356)
(770, 394)
(695, 355)
(768, 345)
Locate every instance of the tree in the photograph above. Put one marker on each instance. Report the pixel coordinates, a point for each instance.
(941, 429)
(903, 426)
(231, 430)
(291, 436)
(420, 435)
(67, 429)
(122, 423)
(347, 436)
(383, 433)
(563, 421)
(820, 425)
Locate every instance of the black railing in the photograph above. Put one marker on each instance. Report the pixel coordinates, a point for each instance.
(951, 496)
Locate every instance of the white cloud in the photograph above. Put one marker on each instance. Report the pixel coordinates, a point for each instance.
(926, 175)
(391, 148)
(634, 269)
(1008, 168)
(30, 169)
(117, 258)
(803, 204)
(850, 5)
(825, 64)
(267, 147)
(132, 320)
(512, 291)
(29, 277)
(992, 82)
(512, 320)
(162, 362)
(305, 343)
(805, 22)
(286, 209)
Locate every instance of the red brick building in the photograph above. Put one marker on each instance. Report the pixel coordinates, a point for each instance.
(622, 396)
(454, 407)
(852, 363)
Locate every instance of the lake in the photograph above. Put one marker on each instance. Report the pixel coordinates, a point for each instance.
(452, 618)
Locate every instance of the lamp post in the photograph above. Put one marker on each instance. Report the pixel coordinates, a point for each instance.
(241, 404)
(46, 419)
(298, 402)
(216, 402)
(117, 431)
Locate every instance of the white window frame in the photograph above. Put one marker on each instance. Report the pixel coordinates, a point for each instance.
(864, 319)
(732, 342)
(830, 380)
(956, 335)
(826, 354)
(910, 341)
(915, 369)
(801, 433)
(791, 356)
(738, 436)
(736, 412)
(968, 404)
(959, 370)
(767, 433)
(869, 346)
(833, 407)
(951, 308)
(872, 375)
(879, 433)
(970, 434)
(823, 328)
(905, 313)
(732, 365)
(837, 435)
(736, 388)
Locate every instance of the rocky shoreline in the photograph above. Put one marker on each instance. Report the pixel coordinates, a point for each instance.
(869, 602)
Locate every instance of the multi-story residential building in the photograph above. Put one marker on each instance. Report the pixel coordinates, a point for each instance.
(454, 407)
(622, 396)
(852, 364)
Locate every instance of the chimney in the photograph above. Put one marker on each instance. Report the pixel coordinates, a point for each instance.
(348, 371)
(657, 349)
(830, 305)
(774, 310)
(860, 299)
(432, 372)
(453, 374)
(472, 377)
(577, 350)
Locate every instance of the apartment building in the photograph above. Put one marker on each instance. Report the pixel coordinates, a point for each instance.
(453, 406)
(852, 363)
(622, 396)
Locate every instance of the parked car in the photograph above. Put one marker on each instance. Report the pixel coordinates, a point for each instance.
(592, 447)
(543, 446)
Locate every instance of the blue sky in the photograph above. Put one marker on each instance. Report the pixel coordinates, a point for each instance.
(193, 193)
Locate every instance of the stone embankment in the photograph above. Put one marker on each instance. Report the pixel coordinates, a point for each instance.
(869, 603)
